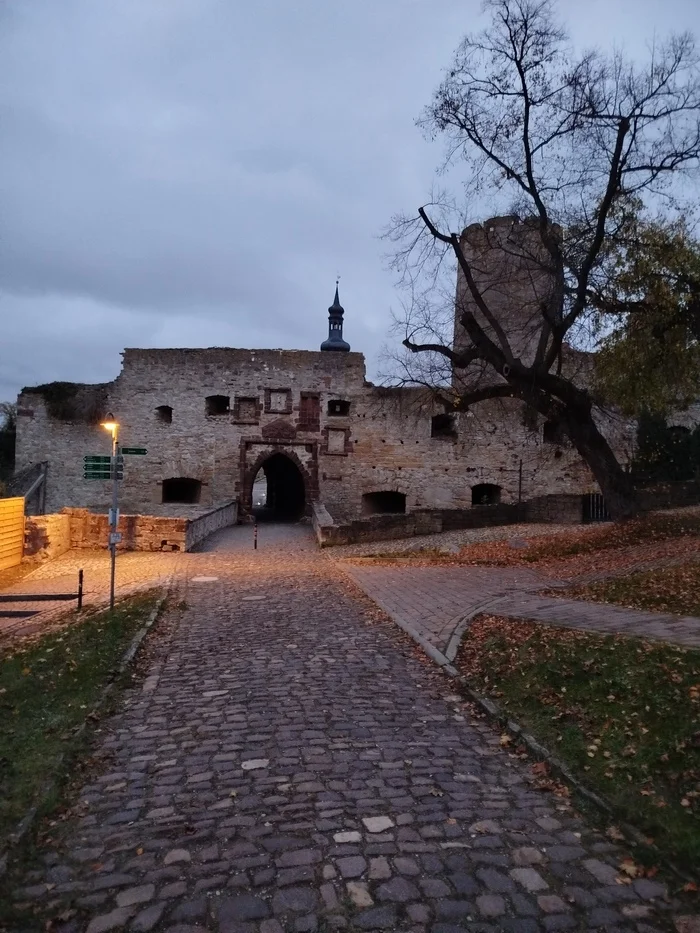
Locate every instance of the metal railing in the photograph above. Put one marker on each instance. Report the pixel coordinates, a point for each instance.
(30, 482)
(38, 598)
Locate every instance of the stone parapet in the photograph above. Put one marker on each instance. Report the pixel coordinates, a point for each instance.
(48, 536)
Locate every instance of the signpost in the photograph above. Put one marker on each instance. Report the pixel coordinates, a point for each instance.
(96, 466)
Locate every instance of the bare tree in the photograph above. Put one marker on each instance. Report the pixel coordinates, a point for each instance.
(566, 142)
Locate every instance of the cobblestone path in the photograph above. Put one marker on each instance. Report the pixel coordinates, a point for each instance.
(437, 603)
(290, 762)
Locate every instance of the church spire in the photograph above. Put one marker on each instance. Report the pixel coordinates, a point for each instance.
(335, 326)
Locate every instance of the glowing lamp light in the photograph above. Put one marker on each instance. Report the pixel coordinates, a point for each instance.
(110, 424)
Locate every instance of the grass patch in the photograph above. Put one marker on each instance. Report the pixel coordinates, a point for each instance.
(658, 529)
(650, 529)
(47, 691)
(624, 714)
(675, 589)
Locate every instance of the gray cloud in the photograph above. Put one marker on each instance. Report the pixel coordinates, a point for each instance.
(195, 172)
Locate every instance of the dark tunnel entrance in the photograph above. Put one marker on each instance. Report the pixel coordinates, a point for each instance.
(278, 491)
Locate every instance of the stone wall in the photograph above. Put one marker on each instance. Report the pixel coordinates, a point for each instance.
(284, 402)
(199, 529)
(560, 509)
(375, 528)
(384, 443)
(139, 532)
(46, 536)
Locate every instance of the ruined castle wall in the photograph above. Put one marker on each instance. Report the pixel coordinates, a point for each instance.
(264, 388)
(63, 444)
(513, 273)
(393, 450)
(383, 443)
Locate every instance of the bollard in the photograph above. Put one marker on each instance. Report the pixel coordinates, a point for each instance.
(80, 589)
(255, 536)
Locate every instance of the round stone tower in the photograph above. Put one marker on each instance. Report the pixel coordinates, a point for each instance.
(514, 274)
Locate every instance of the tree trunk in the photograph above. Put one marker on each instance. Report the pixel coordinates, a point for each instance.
(615, 484)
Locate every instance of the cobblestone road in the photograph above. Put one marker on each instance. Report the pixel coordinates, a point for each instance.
(290, 763)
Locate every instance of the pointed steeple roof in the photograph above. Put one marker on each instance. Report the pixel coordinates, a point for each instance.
(335, 326)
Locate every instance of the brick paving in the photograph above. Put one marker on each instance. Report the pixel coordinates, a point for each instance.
(290, 763)
(136, 570)
(437, 603)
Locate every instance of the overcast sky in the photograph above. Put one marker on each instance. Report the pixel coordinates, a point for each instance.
(180, 173)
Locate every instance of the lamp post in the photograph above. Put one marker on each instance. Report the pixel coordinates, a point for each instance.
(112, 426)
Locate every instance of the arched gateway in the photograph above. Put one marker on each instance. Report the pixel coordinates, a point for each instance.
(283, 486)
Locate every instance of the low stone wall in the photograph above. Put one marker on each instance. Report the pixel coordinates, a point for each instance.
(204, 525)
(565, 509)
(47, 536)
(482, 516)
(373, 528)
(560, 509)
(139, 532)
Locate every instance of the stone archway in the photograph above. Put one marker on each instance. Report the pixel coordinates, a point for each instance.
(287, 488)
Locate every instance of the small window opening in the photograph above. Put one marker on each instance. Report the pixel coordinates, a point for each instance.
(182, 489)
(552, 433)
(164, 413)
(218, 404)
(486, 494)
(443, 426)
(378, 503)
(338, 407)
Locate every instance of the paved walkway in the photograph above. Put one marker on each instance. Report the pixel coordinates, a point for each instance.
(136, 570)
(438, 602)
(291, 763)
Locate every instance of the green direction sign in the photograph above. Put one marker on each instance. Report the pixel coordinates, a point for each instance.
(96, 466)
(134, 451)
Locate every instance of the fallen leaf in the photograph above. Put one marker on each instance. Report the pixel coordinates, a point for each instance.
(630, 868)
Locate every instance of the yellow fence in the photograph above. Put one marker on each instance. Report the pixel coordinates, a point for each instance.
(11, 532)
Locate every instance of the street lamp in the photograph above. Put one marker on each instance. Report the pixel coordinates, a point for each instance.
(112, 425)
